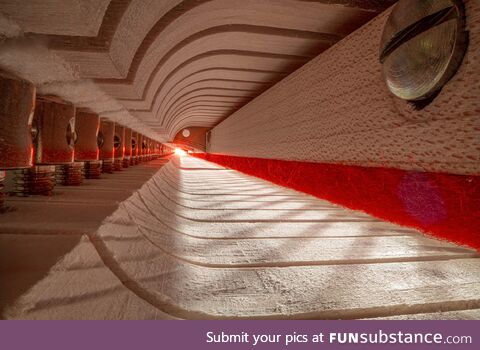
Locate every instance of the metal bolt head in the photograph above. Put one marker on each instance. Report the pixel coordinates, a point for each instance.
(116, 142)
(423, 44)
(71, 136)
(100, 139)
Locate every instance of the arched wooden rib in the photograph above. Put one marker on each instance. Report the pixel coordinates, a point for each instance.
(259, 43)
(193, 120)
(165, 118)
(175, 85)
(167, 88)
(211, 96)
(217, 105)
(326, 39)
(285, 61)
(177, 102)
(118, 9)
(225, 111)
(185, 7)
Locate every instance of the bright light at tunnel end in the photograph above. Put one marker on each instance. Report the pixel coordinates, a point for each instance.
(180, 152)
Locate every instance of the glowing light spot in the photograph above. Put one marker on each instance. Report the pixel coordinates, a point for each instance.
(180, 152)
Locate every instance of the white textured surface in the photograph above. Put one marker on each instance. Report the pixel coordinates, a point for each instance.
(201, 241)
(336, 109)
(134, 49)
(8, 28)
(140, 17)
(54, 75)
(61, 17)
(277, 14)
(51, 268)
(247, 42)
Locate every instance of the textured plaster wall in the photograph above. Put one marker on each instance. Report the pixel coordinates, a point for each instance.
(61, 17)
(337, 109)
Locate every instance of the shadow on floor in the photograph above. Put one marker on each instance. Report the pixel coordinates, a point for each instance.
(27, 259)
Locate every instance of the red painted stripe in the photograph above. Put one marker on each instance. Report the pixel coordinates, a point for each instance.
(443, 205)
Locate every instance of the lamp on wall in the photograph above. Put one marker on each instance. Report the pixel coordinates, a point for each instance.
(422, 47)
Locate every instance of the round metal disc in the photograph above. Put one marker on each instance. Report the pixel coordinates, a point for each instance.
(422, 46)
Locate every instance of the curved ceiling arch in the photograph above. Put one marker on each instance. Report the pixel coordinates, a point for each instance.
(200, 118)
(205, 119)
(202, 108)
(198, 15)
(162, 56)
(211, 96)
(214, 100)
(203, 104)
(192, 120)
(196, 113)
(211, 91)
(171, 89)
(226, 42)
(174, 62)
(214, 58)
(177, 101)
(173, 93)
(232, 36)
(246, 93)
(205, 68)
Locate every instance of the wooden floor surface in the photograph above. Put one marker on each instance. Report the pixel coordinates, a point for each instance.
(190, 239)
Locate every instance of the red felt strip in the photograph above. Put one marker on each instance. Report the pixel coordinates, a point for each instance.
(446, 206)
